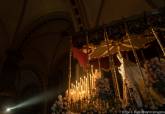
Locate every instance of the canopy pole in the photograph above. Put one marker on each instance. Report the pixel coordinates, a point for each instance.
(143, 56)
(99, 64)
(116, 80)
(87, 70)
(87, 42)
(134, 52)
(137, 62)
(135, 55)
(69, 69)
(118, 49)
(111, 61)
(158, 40)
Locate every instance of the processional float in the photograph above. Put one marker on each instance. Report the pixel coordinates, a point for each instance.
(142, 34)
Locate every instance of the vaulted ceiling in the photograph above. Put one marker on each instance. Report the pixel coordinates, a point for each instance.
(111, 10)
(101, 12)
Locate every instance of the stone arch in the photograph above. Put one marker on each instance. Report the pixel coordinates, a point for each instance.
(25, 37)
(4, 30)
(31, 28)
(4, 41)
(32, 82)
(32, 76)
(38, 55)
(60, 74)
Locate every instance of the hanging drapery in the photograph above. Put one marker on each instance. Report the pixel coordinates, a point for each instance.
(81, 57)
(125, 91)
(132, 80)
